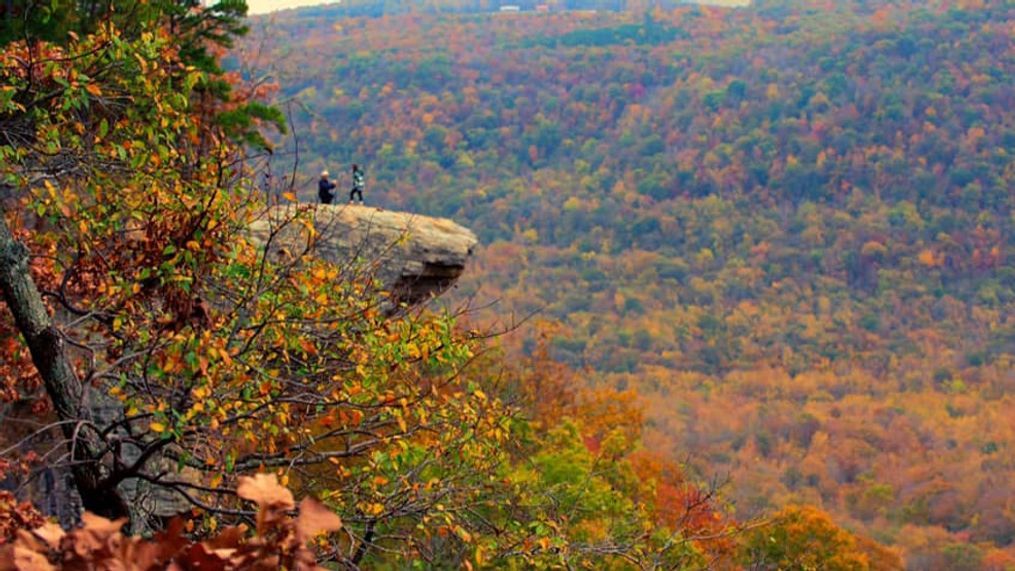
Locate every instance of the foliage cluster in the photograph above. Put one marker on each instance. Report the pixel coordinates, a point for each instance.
(278, 541)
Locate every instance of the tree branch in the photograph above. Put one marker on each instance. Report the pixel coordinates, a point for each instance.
(62, 384)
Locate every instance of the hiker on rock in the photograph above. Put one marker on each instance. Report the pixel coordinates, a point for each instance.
(357, 184)
(324, 188)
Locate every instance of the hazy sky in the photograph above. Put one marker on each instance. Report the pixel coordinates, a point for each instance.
(262, 6)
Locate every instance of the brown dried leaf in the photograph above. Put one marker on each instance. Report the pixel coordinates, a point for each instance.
(171, 541)
(315, 518)
(305, 560)
(140, 555)
(100, 526)
(244, 557)
(27, 560)
(200, 556)
(228, 538)
(264, 563)
(51, 533)
(28, 540)
(265, 491)
(97, 534)
(7, 557)
(100, 545)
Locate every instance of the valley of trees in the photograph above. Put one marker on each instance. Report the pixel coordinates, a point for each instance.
(168, 389)
(788, 229)
(153, 354)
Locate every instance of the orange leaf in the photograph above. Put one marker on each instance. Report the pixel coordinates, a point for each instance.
(315, 518)
(96, 532)
(51, 533)
(25, 558)
(264, 490)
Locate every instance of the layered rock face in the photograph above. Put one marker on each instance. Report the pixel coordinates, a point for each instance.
(413, 256)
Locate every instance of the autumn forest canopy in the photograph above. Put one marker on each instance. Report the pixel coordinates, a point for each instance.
(788, 227)
(743, 297)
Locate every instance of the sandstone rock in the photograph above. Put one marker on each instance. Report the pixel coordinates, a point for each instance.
(413, 256)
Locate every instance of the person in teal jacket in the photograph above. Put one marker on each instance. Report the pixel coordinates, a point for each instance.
(357, 184)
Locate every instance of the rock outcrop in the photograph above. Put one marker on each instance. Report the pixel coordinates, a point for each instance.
(413, 256)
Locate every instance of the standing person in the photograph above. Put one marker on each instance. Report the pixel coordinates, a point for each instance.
(357, 184)
(324, 188)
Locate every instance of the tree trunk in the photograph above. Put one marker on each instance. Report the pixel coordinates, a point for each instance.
(98, 493)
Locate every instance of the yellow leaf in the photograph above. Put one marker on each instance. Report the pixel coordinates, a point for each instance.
(157, 427)
(289, 196)
(93, 89)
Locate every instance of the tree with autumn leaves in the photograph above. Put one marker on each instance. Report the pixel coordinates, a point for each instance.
(168, 365)
(803, 537)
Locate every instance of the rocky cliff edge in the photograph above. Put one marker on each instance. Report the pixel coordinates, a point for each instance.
(413, 256)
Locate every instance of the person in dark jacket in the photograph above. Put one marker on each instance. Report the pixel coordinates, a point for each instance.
(324, 188)
(357, 184)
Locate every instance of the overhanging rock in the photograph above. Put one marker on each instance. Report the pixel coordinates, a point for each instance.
(413, 256)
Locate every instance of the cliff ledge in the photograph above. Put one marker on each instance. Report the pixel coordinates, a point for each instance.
(413, 256)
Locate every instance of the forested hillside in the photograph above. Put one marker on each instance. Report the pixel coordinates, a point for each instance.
(788, 227)
(182, 358)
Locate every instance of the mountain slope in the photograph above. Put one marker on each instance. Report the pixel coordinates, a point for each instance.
(790, 227)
